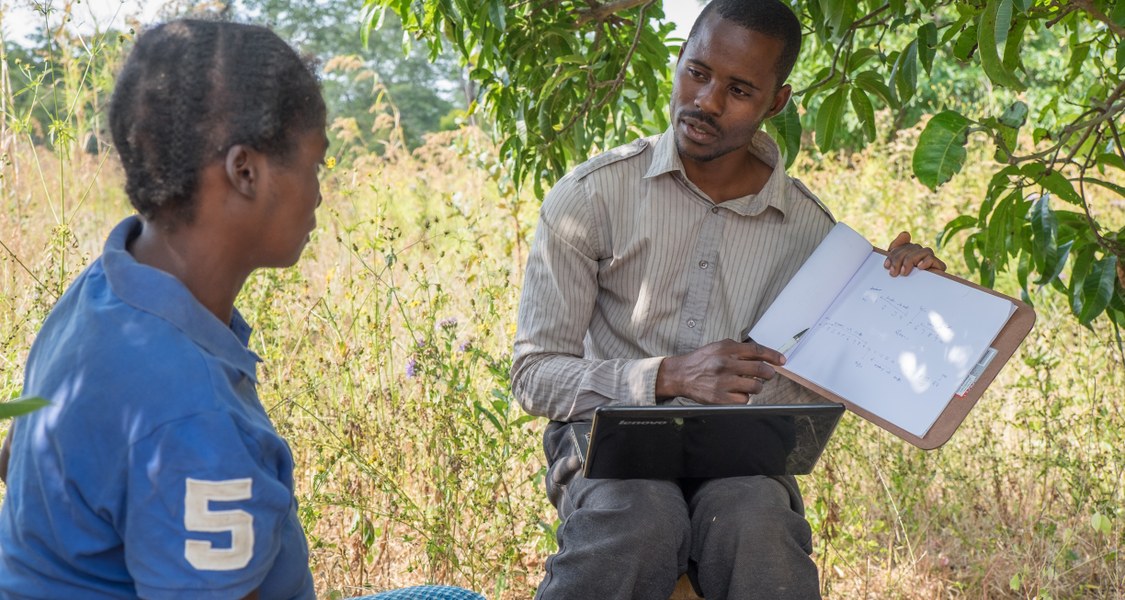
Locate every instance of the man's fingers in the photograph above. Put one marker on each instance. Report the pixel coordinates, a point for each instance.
(905, 257)
(902, 239)
(752, 350)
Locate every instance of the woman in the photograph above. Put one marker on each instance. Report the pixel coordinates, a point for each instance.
(155, 472)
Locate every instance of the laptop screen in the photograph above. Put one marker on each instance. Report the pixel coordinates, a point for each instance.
(675, 442)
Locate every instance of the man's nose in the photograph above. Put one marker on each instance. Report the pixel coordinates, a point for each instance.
(709, 99)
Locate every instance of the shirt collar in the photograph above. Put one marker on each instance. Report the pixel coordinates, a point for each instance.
(153, 291)
(666, 160)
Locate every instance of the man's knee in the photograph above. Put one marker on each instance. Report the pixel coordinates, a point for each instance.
(752, 509)
(623, 539)
(650, 516)
(645, 520)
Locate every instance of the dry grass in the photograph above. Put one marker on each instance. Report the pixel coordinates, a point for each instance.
(386, 356)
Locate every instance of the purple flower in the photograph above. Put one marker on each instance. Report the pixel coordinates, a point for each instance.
(448, 323)
(411, 367)
(465, 345)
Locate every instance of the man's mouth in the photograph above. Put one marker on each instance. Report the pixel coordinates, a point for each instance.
(697, 130)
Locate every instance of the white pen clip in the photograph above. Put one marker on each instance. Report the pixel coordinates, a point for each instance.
(787, 346)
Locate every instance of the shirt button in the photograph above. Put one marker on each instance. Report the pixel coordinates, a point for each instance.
(704, 264)
(714, 210)
(691, 323)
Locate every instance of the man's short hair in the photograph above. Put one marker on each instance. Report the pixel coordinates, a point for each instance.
(768, 17)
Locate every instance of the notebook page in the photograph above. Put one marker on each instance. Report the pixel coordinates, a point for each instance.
(813, 288)
(900, 346)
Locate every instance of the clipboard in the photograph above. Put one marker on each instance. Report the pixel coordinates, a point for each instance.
(1005, 344)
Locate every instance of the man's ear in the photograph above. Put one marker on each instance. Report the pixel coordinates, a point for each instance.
(241, 169)
(780, 100)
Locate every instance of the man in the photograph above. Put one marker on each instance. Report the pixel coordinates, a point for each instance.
(648, 262)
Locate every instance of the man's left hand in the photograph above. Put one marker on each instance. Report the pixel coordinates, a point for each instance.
(903, 257)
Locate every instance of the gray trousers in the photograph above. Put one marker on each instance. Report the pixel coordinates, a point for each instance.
(738, 538)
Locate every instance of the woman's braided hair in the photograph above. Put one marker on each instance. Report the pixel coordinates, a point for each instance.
(190, 90)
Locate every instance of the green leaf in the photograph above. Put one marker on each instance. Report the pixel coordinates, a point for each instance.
(1097, 289)
(1006, 138)
(1061, 187)
(860, 57)
(1044, 231)
(965, 44)
(865, 111)
(940, 153)
(21, 406)
(840, 14)
(1012, 56)
(1109, 159)
(999, 229)
(1052, 181)
(1078, 54)
(1050, 257)
(873, 83)
(821, 76)
(786, 130)
(987, 273)
(969, 251)
(1119, 189)
(496, 15)
(1117, 15)
(927, 45)
(995, 22)
(1101, 524)
(828, 119)
(1023, 268)
(1055, 264)
(1015, 115)
(961, 223)
(905, 72)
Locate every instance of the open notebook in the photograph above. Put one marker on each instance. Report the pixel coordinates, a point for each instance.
(910, 353)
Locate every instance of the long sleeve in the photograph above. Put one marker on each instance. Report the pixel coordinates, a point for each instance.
(551, 375)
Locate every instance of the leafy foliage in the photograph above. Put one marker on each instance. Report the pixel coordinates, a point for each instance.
(1042, 79)
(557, 78)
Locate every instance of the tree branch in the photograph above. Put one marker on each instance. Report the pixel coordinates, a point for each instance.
(1092, 9)
(615, 83)
(845, 43)
(1107, 113)
(1077, 125)
(1117, 139)
(602, 11)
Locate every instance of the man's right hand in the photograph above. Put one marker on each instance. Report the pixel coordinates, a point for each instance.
(726, 372)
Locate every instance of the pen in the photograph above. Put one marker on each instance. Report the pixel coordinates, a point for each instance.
(792, 341)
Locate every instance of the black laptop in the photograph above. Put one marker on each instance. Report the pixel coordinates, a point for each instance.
(677, 442)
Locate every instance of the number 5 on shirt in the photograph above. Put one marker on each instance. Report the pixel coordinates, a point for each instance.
(200, 518)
